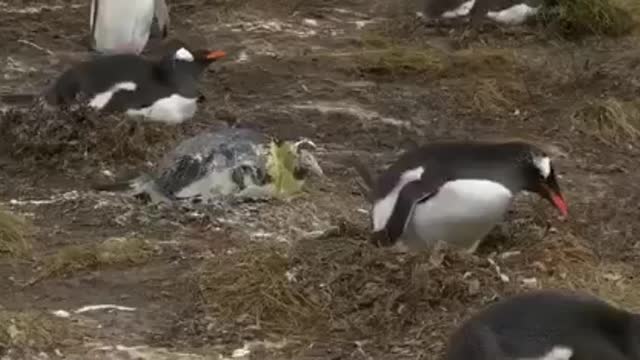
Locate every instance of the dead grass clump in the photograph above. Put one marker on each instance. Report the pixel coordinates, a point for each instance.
(609, 120)
(31, 330)
(577, 18)
(490, 96)
(64, 136)
(13, 235)
(339, 289)
(115, 251)
(398, 60)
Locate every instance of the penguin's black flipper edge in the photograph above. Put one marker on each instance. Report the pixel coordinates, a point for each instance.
(411, 194)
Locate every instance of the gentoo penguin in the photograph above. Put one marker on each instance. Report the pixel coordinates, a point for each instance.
(213, 165)
(162, 90)
(454, 193)
(548, 325)
(124, 26)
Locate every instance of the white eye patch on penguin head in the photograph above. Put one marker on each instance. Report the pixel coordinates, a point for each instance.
(543, 164)
(183, 54)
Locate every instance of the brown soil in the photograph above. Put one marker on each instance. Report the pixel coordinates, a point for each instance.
(205, 284)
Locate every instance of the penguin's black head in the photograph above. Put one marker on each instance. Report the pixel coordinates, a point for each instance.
(192, 62)
(540, 178)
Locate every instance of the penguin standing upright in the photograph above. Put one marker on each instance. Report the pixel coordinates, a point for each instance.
(548, 325)
(124, 26)
(456, 192)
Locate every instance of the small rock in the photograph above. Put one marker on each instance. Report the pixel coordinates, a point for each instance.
(61, 313)
(310, 22)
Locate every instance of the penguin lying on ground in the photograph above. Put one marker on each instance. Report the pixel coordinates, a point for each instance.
(211, 166)
(163, 90)
(454, 193)
(125, 26)
(548, 325)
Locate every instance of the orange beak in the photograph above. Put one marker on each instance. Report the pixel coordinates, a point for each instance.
(215, 55)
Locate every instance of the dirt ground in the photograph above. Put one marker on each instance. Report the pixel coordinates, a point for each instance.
(295, 279)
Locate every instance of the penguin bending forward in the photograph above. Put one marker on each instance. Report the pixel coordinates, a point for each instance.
(454, 193)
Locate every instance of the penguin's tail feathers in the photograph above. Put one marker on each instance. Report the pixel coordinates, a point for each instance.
(366, 175)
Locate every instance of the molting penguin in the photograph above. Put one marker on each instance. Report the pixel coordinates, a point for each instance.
(456, 192)
(211, 166)
(124, 26)
(548, 325)
(162, 90)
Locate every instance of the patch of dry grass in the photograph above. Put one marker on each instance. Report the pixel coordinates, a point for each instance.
(486, 80)
(80, 134)
(579, 18)
(336, 289)
(14, 233)
(31, 330)
(609, 120)
(115, 251)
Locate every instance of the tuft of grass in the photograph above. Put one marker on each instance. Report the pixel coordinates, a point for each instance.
(79, 134)
(115, 251)
(399, 60)
(491, 96)
(14, 232)
(609, 120)
(253, 281)
(579, 18)
(31, 330)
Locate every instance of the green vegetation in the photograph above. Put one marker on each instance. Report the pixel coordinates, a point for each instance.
(579, 18)
(13, 235)
(31, 330)
(280, 166)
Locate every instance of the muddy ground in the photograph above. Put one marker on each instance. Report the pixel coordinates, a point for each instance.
(354, 76)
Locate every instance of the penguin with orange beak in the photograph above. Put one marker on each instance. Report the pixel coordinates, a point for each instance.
(160, 90)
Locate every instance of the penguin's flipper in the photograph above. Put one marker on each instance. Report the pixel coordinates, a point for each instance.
(410, 195)
(477, 342)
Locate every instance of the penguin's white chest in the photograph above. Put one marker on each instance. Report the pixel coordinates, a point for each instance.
(122, 26)
(174, 109)
(461, 214)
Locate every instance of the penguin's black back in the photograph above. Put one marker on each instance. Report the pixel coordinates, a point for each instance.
(531, 324)
(101, 73)
(455, 158)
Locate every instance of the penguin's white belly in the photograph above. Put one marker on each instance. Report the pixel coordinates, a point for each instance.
(461, 214)
(174, 109)
(122, 26)
(515, 15)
